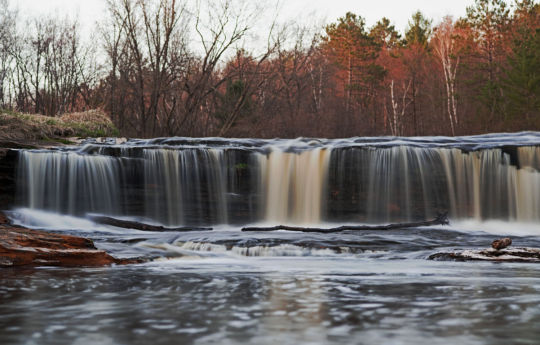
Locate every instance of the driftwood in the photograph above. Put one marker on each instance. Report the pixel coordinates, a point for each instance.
(128, 224)
(441, 219)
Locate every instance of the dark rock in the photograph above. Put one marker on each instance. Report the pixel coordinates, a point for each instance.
(8, 162)
(501, 243)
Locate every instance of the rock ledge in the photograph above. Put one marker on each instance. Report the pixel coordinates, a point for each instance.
(24, 247)
(514, 254)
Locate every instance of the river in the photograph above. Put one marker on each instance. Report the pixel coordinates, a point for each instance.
(226, 286)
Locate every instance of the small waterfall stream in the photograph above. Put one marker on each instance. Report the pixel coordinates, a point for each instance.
(179, 181)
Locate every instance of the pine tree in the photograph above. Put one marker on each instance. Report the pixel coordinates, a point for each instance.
(521, 81)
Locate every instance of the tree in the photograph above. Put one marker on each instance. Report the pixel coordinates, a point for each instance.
(489, 21)
(385, 34)
(521, 78)
(354, 51)
(245, 77)
(8, 39)
(416, 44)
(418, 30)
(50, 65)
(146, 48)
(444, 46)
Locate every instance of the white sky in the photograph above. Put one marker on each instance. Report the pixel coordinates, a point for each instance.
(398, 11)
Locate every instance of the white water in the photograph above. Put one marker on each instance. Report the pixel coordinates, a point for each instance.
(37, 219)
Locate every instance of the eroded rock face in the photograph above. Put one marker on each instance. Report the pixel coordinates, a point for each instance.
(25, 247)
(8, 161)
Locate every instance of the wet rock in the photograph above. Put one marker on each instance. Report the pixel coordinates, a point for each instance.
(8, 161)
(100, 140)
(523, 254)
(25, 247)
(501, 243)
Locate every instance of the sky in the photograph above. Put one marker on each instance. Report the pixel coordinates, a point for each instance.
(398, 11)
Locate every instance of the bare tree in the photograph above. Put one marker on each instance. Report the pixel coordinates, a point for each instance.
(8, 38)
(219, 26)
(444, 46)
(49, 65)
(399, 106)
(146, 48)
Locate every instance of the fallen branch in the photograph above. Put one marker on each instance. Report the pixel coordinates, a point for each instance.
(128, 224)
(441, 219)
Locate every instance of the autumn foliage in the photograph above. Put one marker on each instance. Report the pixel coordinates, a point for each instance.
(159, 68)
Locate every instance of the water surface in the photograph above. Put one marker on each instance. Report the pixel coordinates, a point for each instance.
(229, 287)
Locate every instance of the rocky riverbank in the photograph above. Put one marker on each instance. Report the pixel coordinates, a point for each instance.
(25, 247)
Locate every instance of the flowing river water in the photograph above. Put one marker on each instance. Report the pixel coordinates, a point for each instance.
(226, 286)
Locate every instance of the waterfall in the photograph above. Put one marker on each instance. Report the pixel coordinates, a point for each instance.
(69, 182)
(403, 183)
(182, 181)
(293, 185)
(172, 187)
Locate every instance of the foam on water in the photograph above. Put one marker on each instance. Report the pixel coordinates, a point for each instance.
(38, 219)
(497, 227)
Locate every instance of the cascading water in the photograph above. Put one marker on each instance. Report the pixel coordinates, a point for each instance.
(293, 185)
(406, 183)
(68, 182)
(185, 182)
(178, 181)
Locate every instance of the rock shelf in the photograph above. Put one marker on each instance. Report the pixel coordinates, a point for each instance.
(25, 247)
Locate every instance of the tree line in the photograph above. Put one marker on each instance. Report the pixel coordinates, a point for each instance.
(169, 68)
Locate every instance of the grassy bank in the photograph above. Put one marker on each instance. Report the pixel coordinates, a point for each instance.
(19, 127)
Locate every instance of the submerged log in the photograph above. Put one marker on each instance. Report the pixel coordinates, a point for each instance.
(24, 247)
(128, 224)
(441, 219)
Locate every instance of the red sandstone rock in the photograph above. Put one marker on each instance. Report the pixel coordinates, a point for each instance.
(25, 247)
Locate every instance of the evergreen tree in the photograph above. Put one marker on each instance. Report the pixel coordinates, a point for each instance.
(489, 22)
(521, 81)
(354, 51)
(419, 30)
(385, 34)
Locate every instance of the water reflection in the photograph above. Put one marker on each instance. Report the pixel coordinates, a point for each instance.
(295, 312)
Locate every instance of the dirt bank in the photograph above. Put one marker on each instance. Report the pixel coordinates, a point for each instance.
(31, 127)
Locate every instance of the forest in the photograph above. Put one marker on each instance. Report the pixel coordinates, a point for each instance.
(169, 68)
